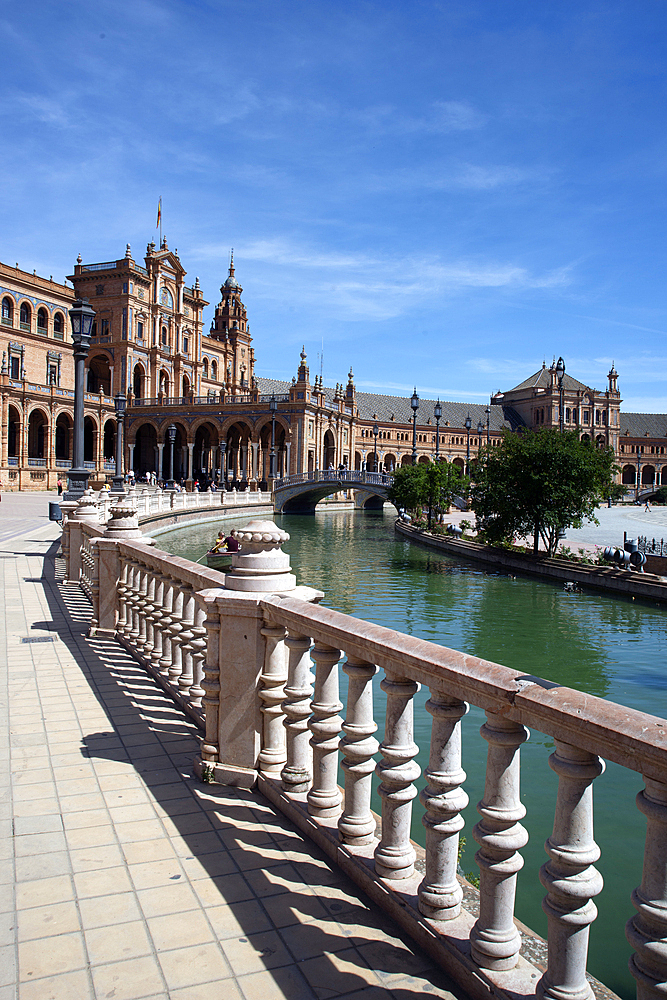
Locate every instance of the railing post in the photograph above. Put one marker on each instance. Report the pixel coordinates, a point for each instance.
(296, 774)
(569, 876)
(123, 585)
(495, 940)
(647, 932)
(273, 754)
(440, 894)
(164, 662)
(187, 621)
(395, 855)
(211, 682)
(157, 619)
(175, 628)
(198, 647)
(357, 824)
(324, 798)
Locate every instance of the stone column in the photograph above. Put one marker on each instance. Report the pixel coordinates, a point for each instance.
(440, 894)
(395, 855)
(190, 469)
(495, 940)
(357, 824)
(569, 876)
(647, 931)
(297, 773)
(273, 754)
(324, 798)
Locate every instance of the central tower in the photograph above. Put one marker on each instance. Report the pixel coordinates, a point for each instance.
(230, 327)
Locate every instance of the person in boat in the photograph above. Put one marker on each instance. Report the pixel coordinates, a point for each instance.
(220, 544)
(231, 544)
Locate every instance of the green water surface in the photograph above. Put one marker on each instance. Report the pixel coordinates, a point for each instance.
(607, 646)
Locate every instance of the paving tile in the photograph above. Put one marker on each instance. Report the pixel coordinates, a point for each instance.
(104, 911)
(142, 851)
(153, 873)
(127, 940)
(51, 823)
(180, 930)
(80, 820)
(70, 986)
(203, 992)
(243, 918)
(38, 843)
(49, 956)
(42, 866)
(129, 980)
(184, 967)
(312, 939)
(41, 921)
(173, 898)
(95, 836)
(146, 829)
(93, 858)
(281, 983)
(333, 974)
(102, 883)
(131, 814)
(254, 952)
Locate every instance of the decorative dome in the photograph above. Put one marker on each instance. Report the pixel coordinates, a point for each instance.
(231, 281)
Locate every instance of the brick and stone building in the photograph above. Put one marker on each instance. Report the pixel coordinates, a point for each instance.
(149, 344)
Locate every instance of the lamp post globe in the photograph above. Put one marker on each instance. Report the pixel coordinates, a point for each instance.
(81, 315)
(437, 413)
(171, 435)
(468, 425)
(120, 402)
(560, 373)
(414, 403)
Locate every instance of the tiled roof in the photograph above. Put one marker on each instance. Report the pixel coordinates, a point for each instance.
(637, 424)
(542, 380)
(373, 406)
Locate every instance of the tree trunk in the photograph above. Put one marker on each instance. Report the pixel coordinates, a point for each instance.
(536, 538)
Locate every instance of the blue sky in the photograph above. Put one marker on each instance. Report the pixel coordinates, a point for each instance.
(442, 193)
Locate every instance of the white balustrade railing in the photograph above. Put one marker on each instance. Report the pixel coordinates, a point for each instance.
(260, 675)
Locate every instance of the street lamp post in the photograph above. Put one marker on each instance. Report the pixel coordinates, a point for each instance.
(223, 462)
(639, 459)
(488, 425)
(118, 480)
(171, 434)
(468, 425)
(273, 406)
(480, 431)
(414, 403)
(82, 316)
(375, 435)
(437, 413)
(560, 372)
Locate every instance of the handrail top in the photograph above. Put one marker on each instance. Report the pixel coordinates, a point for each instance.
(624, 735)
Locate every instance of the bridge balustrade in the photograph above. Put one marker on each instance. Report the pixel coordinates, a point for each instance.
(271, 714)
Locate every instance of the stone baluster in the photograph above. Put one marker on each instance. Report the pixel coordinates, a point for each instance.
(443, 798)
(121, 624)
(647, 932)
(198, 647)
(272, 755)
(324, 797)
(175, 629)
(94, 586)
(569, 876)
(495, 940)
(395, 855)
(358, 746)
(165, 624)
(296, 774)
(186, 637)
(143, 607)
(132, 630)
(210, 746)
(157, 619)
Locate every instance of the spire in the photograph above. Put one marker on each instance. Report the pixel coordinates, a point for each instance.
(231, 264)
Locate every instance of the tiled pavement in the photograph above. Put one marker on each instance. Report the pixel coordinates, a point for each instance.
(122, 876)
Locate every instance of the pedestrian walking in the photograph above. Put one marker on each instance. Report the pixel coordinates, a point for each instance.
(60, 487)
(647, 507)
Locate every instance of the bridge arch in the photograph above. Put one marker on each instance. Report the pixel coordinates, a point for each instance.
(300, 494)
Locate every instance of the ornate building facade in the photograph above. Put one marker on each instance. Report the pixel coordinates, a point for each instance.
(149, 344)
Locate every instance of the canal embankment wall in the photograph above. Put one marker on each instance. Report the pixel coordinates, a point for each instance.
(609, 578)
(157, 522)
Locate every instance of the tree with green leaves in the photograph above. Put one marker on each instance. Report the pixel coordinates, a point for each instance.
(539, 483)
(426, 485)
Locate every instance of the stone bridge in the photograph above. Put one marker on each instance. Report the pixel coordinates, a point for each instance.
(299, 494)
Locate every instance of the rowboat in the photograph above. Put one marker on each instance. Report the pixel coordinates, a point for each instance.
(219, 560)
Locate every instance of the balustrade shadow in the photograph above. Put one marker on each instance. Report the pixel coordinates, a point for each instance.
(249, 857)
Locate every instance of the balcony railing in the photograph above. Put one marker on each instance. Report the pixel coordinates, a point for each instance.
(12, 460)
(63, 463)
(108, 265)
(36, 463)
(25, 326)
(260, 673)
(7, 320)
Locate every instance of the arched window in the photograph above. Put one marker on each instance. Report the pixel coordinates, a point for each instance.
(7, 312)
(567, 414)
(42, 321)
(58, 326)
(166, 298)
(25, 315)
(205, 368)
(165, 336)
(214, 371)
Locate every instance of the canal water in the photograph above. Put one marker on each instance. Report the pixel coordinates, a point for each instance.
(607, 646)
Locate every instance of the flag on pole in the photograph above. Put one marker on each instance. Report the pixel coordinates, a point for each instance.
(159, 214)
